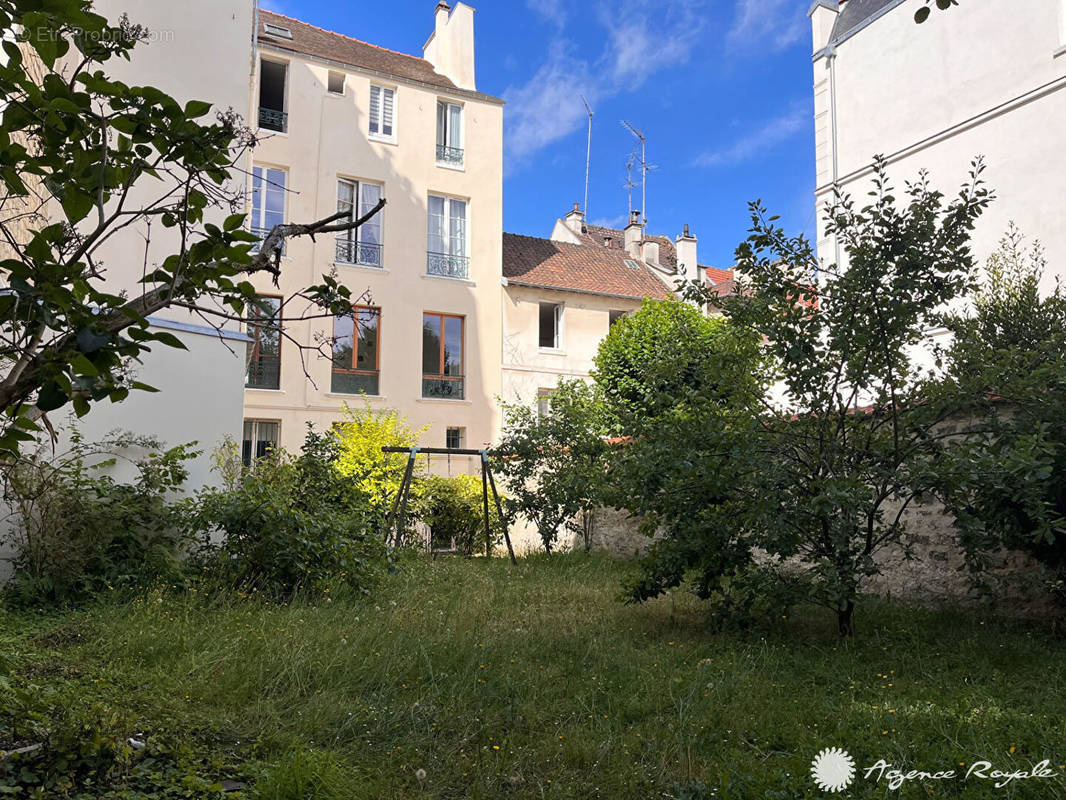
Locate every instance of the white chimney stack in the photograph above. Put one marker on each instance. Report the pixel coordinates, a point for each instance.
(575, 220)
(450, 48)
(688, 263)
(634, 234)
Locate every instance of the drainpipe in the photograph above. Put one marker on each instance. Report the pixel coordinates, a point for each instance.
(831, 62)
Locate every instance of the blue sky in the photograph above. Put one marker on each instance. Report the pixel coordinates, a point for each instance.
(721, 88)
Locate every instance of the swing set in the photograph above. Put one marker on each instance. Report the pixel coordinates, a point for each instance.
(396, 525)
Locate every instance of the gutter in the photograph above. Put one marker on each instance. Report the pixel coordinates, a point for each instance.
(571, 290)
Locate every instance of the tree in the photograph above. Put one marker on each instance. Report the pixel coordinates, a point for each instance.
(855, 442)
(553, 465)
(922, 14)
(653, 359)
(76, 150)
(1006, 484)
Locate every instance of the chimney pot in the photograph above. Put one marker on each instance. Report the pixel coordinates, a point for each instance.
(634, 217)
(686, 234)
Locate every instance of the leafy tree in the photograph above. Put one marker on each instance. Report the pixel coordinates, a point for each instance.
(79, 153)
(553, 465)
(855, 443)
(1006, 482)
(453, 508)
(653, 359)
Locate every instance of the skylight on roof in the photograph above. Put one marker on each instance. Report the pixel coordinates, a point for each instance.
(277, 30)
(631, 264)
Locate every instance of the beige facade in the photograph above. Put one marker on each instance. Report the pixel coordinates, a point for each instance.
(984, 78)
(329, 146)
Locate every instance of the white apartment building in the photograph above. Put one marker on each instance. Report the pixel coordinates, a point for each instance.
(345, 123)
(986, 77)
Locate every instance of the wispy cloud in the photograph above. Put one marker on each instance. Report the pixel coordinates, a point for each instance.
(553, 11)
(777, 23)
(754, 144)
(610, 222)
(548, 107)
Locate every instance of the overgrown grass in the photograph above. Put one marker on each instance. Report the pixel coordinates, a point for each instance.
(472, 679)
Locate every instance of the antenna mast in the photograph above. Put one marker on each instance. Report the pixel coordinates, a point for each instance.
(644, 169)
(588, 157)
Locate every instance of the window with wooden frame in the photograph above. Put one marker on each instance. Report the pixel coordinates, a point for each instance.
(443, 356)
(264, 351)
(357, 352)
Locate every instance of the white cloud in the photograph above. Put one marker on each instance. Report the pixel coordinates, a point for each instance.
(778, 23)
(548, 106)
(765, 138)
(553, 11)
(612, 222)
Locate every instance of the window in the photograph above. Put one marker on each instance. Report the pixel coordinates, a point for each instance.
(260, 437)
(336, 83)
(449, 133)
(264, 356)
(544, 401)
(551, 317)
(357, 352)
(363, 245)
(268, 199)
(446, 243)
(382, 111)
(631, 263)
(442, 356)
(272, 116)
(454, 438)
(615, 316)
(277, 30)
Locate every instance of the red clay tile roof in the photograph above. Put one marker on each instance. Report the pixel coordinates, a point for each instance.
(529, 261)
(597, 235)
(716, 276)
(310, 40)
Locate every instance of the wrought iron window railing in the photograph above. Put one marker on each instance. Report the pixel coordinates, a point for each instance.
(364, 254)
(449, 155)
(440, 387)
(446, 265)
(273, 120)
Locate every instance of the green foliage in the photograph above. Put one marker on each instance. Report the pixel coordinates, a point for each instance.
(292, 524)
(376, 476)
(78, 532)
(667, 352)
(553, 466)
(1006, 482)
(453, 508)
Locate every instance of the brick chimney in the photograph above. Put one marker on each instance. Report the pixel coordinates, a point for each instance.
(688, 263)
(575, 220)
(634, 234)
(450, 48)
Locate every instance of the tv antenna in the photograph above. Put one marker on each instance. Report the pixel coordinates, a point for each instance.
(588, 156)
(645, 168)
(629, 183)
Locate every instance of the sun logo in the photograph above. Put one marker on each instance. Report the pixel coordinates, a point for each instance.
(833, 769)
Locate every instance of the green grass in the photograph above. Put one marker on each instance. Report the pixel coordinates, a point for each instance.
(535, 682)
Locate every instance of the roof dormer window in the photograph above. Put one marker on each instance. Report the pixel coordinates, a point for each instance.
(277, 30)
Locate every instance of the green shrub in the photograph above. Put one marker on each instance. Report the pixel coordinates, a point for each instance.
(77, 531)
(291, 523)
(453, 508)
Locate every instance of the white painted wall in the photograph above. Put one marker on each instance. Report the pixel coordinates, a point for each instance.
(985, 78)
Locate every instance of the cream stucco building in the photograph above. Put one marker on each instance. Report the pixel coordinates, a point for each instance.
(984, 78)
(344, 123)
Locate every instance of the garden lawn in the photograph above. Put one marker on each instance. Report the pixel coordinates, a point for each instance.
(475, 679)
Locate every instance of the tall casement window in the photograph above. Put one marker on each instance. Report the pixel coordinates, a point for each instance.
(382, 112)
(449, 134)
(443, 356)
(260, 437)
(361, 246)
(551, 325)
(264, 357)
(268, 199)
(272, 79)
(357, 352)
(446, 246)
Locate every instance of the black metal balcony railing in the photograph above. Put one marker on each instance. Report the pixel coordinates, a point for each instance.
(264, 373)
(273, 120)
(262, 233)
(443, 388)
(447, 266)
(364, 254)
(449, 155)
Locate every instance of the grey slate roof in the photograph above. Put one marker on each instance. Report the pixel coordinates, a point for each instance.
(856, 13)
